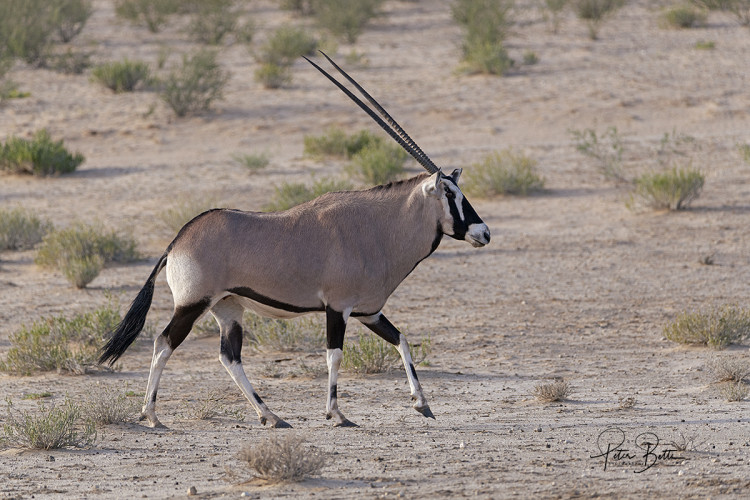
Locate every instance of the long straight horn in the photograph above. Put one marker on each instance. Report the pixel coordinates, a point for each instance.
(391, 127)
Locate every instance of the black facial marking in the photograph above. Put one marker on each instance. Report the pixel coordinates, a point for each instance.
(182, 322)
(251, 294)
(385, 330)
(335, 329)
(413, 371)
(231, 344)
(257, 398)
(459, 226)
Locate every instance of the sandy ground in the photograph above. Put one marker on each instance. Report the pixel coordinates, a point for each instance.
(573, 285)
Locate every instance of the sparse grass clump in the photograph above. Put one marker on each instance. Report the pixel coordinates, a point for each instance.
(286, 45)
(52, 427)
(595, 12)
(744, 150)
(276, 335)
(336, 143)
(283, 458)
(212, 20)
(21, 229)
(197, 83)
(554, 391)
(605, 148)
(371, 354)
(27, 28)
(121, 76)
(485, 24)
(555, 8)
(683, 16)
(291, 194)
(184, 211)
(705, 45)
(717, 327)
(81, 251)
(106, 406)
(72, 17)
(39, 156)
(674, 189)
(739, 8)
(504, 172)
(253, 162)
(734, 391)
(345, 18)
(151, 13)
(60, 344)
(726, 369)
(378, 162)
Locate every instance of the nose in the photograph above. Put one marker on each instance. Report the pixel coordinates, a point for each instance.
(487, 235)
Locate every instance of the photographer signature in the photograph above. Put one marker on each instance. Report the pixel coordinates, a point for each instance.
(611, 447)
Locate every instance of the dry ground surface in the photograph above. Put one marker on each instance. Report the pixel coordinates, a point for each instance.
(573, 285)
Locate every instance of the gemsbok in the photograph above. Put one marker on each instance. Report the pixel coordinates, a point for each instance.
(343, 253)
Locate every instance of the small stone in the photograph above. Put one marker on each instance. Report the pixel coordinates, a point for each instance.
(192, 491)
(680, 472)
(462, 445)
(50, 458)
(245, 494)
(538, 429)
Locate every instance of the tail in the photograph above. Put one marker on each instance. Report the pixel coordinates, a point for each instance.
(129, 328)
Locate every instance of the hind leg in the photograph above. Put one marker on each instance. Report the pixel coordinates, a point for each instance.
(164, 345)
(228, 314)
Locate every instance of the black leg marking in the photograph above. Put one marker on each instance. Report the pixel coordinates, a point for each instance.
(384, 329)
(413, 371)
(231, 344)
(182, 322)
(335, 329)
(153, 397)
(334, 392)
(257, 398)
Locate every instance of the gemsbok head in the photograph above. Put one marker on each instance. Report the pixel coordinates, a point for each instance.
(343, 254)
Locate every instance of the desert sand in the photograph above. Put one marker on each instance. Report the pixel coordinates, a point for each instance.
(573, 286)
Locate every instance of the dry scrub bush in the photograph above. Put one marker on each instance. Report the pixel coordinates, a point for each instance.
(121, 76)
(39, 156)
(61, 344)
(717, 327)
(151, 13)
(486, 24)
(378, 162)
(291, 194)
(106, 405)
(683, 16)
(345, 18)
(739, 8)
(674, 189)
(336, 143)
(595, 12)
(276, 335)
(503, 172)
(21, 229)
(71, 18)
(285, 46)
(50, 428)
(726, 369)
(555, 9)
(283, 458)
(212, 20)
(197, 83)
(605, 148)
(554, 391)
(371, 354)
(734, 391)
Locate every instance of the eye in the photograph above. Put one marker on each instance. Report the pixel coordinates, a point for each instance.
(449, 194)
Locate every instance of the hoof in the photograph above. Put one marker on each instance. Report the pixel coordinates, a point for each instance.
(153, 422)
(340, 419)
(275, 422)
(280, 424)
(425, 410)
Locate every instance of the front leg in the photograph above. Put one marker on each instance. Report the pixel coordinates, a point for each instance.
(380, 325)
(335, 329)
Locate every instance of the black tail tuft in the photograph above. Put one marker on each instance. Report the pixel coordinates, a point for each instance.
(129, 328)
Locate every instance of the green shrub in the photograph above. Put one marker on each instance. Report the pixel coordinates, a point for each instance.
(212, 20)
(717, 327)
(51, 428)
(276, 335)
(371, 354)
(683, 16)
(26, 29)
(345, 18)
(253, 162)
(196, 84)
(705, 45)
(595, 12)
(61, 344)
(504, 172)
(273, 76)
(81, 251)
(530, 58)
(292, 194)
(378, 162)
(71, 17)
(121, 76)
(21, 229)
(485, 24)
(152, 13)
(337, 143)
(40, 156)
(282, 49)
(674, 189)
(606, 149)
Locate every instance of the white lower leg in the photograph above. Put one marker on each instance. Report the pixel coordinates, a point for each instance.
(162, 352)
(240, 378)
(333, 360)
(411, 375)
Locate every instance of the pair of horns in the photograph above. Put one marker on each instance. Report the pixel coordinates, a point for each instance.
(387, 123)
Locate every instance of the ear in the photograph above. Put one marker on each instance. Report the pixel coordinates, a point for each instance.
(434, 188)
(456, 174)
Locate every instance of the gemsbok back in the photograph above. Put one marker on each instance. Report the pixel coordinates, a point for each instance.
(343, 253)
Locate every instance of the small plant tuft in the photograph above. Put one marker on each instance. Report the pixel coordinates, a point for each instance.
(734, 391)
(674, 189)
(151, 13)
(106, 405)
(71, 18)
(371, 354)
(555, 9)
(52, 427)
(336, 143)
(728, 369)
(121, 76)
(252, 162)
(345, 18)
(486, 24)
(554, 391)
(378, 162)
(605, 148)
(595, 12)
(196, 84)
(705, 45)
(276, 335)
(286, 45)
(175, 217)
(21, 229)
(503, 172)
(717, 327)
(291, 194)
(683, 17)
(212, 20)
(283, 458)
(39, 156)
